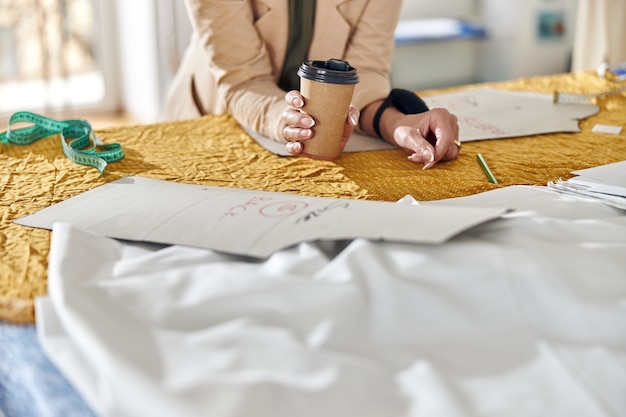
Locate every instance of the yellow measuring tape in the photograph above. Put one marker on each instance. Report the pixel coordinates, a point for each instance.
(80, 143)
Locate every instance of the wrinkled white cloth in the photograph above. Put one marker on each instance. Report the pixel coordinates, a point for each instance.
(522, 316)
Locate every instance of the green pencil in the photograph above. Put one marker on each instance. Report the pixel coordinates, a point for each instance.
(485, 168)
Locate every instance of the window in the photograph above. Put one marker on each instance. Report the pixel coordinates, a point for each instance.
(55, 57)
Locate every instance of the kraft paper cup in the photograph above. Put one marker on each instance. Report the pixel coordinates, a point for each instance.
(327, 88)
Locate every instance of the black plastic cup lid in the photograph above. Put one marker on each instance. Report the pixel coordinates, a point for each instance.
(333, 71)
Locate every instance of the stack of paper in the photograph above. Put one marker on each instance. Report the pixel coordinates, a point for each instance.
(606, 183)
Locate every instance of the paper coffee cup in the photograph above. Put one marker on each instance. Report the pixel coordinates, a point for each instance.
(327, 88)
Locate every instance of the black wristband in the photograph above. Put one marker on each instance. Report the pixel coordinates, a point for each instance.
(405, 101)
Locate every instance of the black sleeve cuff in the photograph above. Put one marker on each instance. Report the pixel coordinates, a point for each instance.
(405, 101)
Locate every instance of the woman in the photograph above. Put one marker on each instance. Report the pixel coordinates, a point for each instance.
(243, 58)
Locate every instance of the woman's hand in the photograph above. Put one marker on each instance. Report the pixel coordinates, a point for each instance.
(428, 137)
(300, 125)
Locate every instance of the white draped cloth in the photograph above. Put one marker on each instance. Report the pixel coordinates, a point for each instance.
(522, 316)
(600, 34)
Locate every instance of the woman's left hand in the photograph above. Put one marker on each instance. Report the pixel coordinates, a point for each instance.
(436, 127)
(427, 137)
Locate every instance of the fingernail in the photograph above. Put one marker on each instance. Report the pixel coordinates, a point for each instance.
(354, 118)
(305, 133)
(413, 157)
(427, 155)
(294, 147)
(307, 121)
(297, 102)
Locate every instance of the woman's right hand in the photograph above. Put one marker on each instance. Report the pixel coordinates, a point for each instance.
(299, 125)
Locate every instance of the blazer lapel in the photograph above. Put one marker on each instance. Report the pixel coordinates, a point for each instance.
(274, 29)
(332, 29)
(331, 33)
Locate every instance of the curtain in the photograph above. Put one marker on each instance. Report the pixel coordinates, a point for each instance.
(600, 34)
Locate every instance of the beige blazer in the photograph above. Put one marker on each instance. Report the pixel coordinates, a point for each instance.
(237, 49)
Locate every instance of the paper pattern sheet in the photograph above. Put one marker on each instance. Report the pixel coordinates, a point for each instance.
(246, 222)
(487, 113)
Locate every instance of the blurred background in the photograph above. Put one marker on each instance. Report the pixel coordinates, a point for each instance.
(111, 61)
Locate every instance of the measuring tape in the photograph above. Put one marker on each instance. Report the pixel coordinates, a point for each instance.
(584, 98)
(80, 143)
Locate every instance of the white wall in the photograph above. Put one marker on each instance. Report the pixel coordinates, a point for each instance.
(415, 9)
(437, 63)
(514, 49)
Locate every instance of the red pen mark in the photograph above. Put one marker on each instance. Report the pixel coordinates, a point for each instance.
(454, 103)
(484, 126)
(282, 209)
(240, 208)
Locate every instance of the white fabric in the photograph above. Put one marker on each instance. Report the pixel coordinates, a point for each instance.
(600, 34)
(523, 316)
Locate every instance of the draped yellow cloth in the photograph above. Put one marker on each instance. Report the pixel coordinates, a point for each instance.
(215, 151)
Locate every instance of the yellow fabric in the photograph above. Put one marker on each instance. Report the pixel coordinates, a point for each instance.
(213, 150)
(531, 160)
